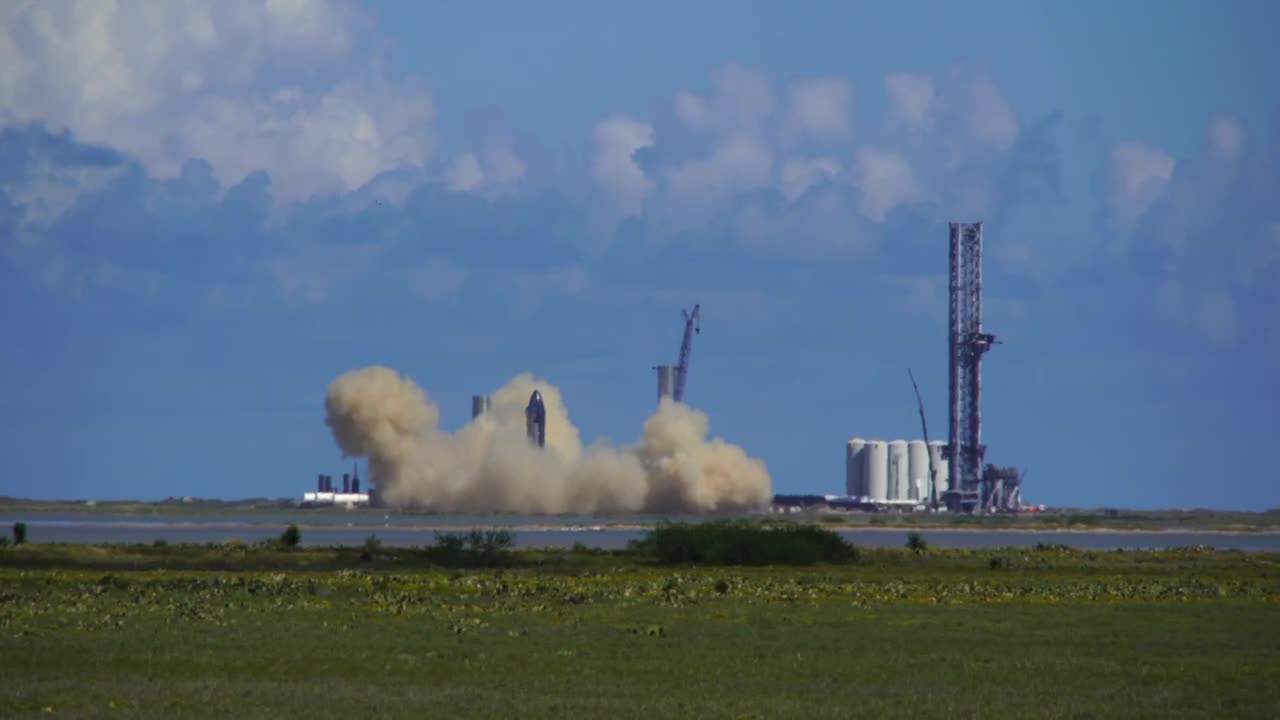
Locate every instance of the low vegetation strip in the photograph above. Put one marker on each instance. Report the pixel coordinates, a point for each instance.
(740, 542)
(468, 627)
(33, 594)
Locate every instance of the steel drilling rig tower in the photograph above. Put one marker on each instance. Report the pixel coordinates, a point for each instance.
(967, 343)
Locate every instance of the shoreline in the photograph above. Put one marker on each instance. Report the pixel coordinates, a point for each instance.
(374, 527)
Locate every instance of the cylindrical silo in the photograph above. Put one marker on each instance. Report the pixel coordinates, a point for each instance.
(479, 405)
(918, 469)
(899, 470)
(875, 470)
(854, 477)
(938, 450)
(666, 381)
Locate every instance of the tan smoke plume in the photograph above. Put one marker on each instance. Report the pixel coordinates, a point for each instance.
(490, 465)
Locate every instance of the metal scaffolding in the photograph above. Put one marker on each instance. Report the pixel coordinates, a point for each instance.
(967, 343)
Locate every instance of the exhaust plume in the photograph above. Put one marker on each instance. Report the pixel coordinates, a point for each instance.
(490, 465)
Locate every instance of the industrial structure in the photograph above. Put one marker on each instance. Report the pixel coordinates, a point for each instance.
(325, 494)
(978, 486)
(671, 379)
(897, 472)
(535, 415)
(925, 473)
(967, 343)
(535, 419)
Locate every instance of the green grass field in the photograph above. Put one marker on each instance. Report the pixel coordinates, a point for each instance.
(267, 631)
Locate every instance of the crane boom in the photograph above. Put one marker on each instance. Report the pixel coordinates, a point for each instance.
(924, 427)
(692, 324)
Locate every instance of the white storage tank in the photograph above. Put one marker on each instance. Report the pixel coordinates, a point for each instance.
(938, 450)
(875, 470)
(918, 469)
(899, 470)
(854, 477)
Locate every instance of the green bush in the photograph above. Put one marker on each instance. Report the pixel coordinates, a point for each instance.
(488, 542)
(916, 542)
(19, 533)
(371, 546)
(741, 542)
(450, 542)
(291, 536)
(476, 548)
(160, 543)
(4, 541)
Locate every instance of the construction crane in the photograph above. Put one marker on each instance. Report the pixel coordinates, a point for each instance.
(692, 324)
(924, 428)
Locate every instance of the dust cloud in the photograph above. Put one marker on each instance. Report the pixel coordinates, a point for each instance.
(489, 465)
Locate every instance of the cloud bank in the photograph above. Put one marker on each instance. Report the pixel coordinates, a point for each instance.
(285, 87)
(271, 139)
(1203, 231)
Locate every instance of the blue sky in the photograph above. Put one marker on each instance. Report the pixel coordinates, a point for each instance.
(208, 211)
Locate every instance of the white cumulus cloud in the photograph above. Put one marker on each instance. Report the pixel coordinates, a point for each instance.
(281, 86)
(911, 99)
(1138, 173)
(987, 115)
(491, 169)
(886, 181)
(799, 174)
(820, 109)
(616, 140)
(740, 162)
(942, 148)
(1226, 136)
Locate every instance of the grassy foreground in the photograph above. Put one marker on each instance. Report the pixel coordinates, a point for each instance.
(271, 631)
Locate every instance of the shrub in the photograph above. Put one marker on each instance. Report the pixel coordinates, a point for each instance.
(291, 536)
(916, 542)
(740, 542)
(371, 546)
(476, 548)
(489, 542)
(4, 541)
(646, 545)
(450, 542)
(160, 543)
(19, 533)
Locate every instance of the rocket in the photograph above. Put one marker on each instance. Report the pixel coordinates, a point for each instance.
(535, 419)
